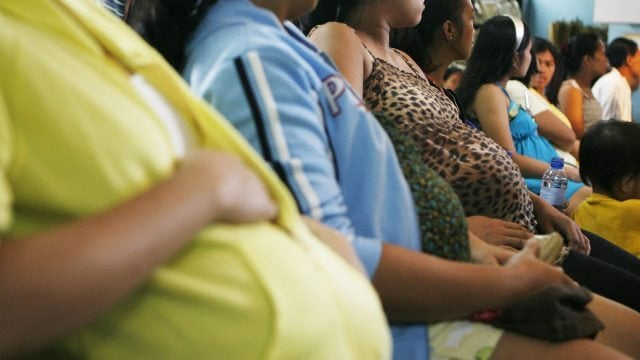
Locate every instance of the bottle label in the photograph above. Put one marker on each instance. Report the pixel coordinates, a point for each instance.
(554, 196)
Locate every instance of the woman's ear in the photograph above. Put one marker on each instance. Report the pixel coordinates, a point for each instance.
(586, 61)
(448, 30)
(628, 60)
(625, 187)
(516, 60)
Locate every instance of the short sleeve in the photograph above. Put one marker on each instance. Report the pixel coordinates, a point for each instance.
(536, 103)
(275, 107)
(521, 95)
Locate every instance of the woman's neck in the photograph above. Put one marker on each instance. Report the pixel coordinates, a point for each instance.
(375, 36)
(503, 81)
(372, 29)
(437, 75)
(439, 60)
(583, 79)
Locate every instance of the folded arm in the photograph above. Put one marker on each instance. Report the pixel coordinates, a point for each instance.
(57, 280)
(490, 106)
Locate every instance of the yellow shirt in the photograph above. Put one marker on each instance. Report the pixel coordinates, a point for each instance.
(616, 221)
(76, 139)
(554, 109)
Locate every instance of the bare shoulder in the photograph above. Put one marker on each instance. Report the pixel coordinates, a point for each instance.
(339, 41)
(334, 32)
(490, 93)
(347, 51)
(568, 88)
(568, 95)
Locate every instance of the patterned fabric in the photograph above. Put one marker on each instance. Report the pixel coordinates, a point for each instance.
(443, 227)
(463, 340)
(480, 171)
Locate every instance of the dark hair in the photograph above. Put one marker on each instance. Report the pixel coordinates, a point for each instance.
(581, 45)
(166, 24)
(326, 11)
(415, 42)
(541, 45)
(533, 69)
(619, 49)
(609, 151)
(452, 70)
(492, 56)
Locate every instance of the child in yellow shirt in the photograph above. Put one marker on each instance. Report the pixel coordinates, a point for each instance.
(609, 158)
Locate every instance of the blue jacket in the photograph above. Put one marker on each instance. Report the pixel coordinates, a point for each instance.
(293, 106)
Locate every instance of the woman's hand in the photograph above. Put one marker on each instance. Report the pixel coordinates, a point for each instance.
(533, 273)
(572, 173)
(238, 194)
(336, 241)
(488, 254)
(117, 249)
(498, 232)
(551, 219)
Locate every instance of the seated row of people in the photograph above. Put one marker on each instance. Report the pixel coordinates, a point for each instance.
(152, 239)
(482, 94)
(606, 159)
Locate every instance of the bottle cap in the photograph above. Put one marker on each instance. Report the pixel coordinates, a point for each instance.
(557, 162)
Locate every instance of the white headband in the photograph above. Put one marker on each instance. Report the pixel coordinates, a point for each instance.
(519, 27)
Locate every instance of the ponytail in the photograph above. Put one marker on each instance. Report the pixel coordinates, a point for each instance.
(581, 45)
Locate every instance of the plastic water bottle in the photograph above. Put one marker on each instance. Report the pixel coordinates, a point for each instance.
(554, 183)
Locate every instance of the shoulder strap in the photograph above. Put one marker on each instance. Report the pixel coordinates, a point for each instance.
(503, 90)
(514, 108)
(408, 62)
(373, 57)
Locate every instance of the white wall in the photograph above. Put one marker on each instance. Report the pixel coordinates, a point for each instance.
(616, 11)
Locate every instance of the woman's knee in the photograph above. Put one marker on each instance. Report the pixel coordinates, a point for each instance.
(513, 346)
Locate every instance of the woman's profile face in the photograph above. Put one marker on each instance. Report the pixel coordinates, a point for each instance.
(402, 13)
(464, 40)
(600, 62)
(546, 68)
(525, 61)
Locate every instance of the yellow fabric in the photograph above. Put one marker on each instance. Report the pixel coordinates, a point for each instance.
(554, 109)
(616, 221)
(6, 154)
(568, 158)
(76, 139)
(557, 112)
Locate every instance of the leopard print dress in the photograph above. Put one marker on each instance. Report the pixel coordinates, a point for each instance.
(480, 171)
(443, 226)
